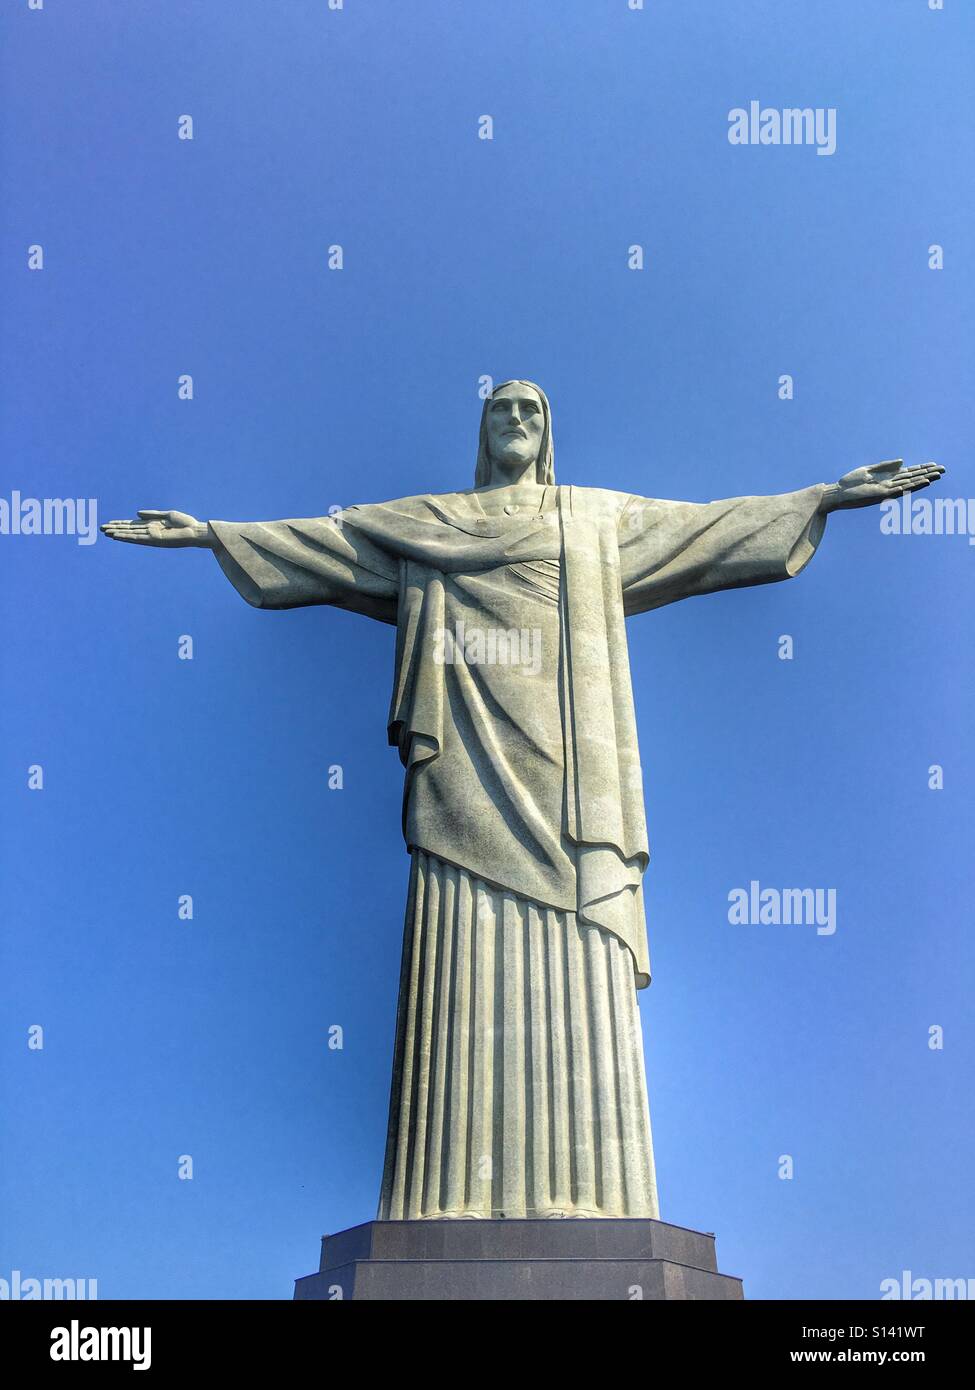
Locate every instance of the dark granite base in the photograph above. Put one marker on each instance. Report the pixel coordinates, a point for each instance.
(481, 1260)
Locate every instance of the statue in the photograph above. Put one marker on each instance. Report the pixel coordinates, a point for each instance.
(518, 1084)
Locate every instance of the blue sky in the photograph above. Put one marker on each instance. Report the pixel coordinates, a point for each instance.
(316, 388)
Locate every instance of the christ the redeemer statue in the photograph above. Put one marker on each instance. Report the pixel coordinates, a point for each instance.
(518, 1079)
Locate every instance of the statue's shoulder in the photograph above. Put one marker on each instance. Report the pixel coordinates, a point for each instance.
(599, 503)
(418, 505)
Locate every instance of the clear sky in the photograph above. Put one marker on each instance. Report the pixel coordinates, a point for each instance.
(315, 388)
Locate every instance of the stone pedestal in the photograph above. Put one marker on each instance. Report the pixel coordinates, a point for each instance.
(581, 1259)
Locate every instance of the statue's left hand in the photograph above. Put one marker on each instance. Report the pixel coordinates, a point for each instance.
(878, 482)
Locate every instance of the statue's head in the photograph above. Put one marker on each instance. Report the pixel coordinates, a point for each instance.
(516, 433)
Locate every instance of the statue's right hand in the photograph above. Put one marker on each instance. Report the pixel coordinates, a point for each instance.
(159, 528)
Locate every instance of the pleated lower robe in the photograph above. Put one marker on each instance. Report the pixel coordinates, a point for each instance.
(518, 1077)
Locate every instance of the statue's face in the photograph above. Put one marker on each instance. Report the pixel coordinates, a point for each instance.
(515, 425)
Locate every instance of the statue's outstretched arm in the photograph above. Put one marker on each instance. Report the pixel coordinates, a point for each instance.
(674, 550)
(283, 564)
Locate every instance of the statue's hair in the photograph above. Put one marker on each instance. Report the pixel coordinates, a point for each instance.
(544, 463)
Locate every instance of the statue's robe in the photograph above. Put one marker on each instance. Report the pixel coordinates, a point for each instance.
(518, 1077)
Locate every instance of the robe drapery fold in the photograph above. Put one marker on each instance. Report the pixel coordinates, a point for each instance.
(526, 775)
